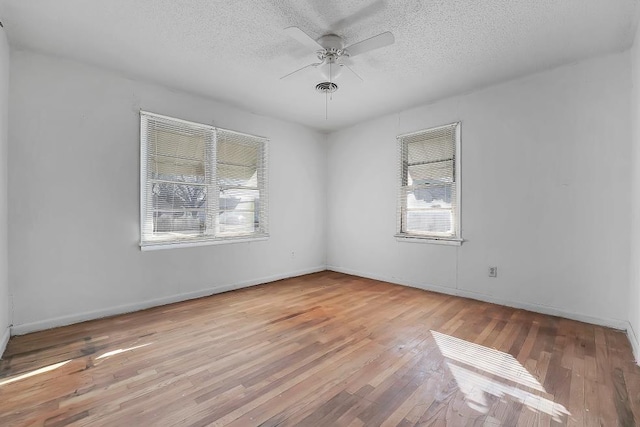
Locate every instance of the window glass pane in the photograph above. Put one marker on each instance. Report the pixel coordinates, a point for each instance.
(189, 222)
(429, 209)
(237, 175)
(178, 196)
(430, 222)
(238, 211)
(178, 207)
(431, 196)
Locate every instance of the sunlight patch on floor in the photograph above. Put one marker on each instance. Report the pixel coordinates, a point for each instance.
(513, 377)
(488, 359)
(120, 350)
(475, 386)
(33, 373)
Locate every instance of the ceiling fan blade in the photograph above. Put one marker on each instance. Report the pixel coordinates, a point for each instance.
(302, 37)
(375, 42)
(300, 69)
(350, 69)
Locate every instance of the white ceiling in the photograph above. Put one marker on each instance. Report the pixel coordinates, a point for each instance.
(235, 51)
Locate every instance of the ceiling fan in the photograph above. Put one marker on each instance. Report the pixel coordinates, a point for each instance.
(331, 52)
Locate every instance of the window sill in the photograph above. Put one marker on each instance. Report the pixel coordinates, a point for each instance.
(154, 246)
(449, 241)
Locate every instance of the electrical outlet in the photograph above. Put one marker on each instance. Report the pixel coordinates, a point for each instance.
(493, 271)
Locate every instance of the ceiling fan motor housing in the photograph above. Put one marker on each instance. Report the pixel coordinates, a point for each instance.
(331, 42)
(330, 54)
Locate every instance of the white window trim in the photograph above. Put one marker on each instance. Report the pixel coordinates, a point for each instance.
(411, 238)
(195, 243)
(199, 240)
(456, 240)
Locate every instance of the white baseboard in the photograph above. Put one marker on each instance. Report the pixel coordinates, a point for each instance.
(128, 308)
(633, 339)
(538, 308)
(26, 328)
(4, 339)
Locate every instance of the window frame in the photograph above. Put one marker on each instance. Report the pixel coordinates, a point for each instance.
(208, 236)
(403, 236)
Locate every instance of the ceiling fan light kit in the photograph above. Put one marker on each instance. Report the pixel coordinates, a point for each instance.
(326, 87)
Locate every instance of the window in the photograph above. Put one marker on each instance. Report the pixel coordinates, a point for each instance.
(200, 183)
(429, 193)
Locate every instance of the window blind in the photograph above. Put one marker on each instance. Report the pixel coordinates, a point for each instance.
(428, 190)
(200, 182)
(241, 180)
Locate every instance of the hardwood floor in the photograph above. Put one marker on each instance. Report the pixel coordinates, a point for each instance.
(321, 350)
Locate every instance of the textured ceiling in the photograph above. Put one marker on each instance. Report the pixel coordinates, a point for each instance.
(236, 51)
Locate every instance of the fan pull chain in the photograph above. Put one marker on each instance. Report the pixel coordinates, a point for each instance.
(326, 106)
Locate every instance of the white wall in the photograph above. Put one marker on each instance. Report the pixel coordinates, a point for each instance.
(74, 198)
(545, 195)
(546, 182)
(5, 305)
(634, 290)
